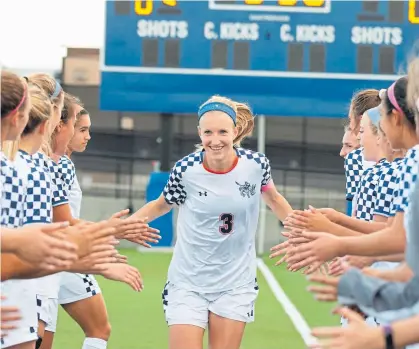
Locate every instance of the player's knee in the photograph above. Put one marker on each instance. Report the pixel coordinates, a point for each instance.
(101, 330)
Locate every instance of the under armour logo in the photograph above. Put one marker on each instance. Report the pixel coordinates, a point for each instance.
(203, 193)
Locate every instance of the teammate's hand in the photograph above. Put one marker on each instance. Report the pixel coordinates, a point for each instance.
(91, 237)
(359, 262)
(280, 249)
(43, 245)
(331, 214)
(338, 266)
(134, 229)
(318, 267)
(124, 273)
(96, 262)
(9, 318)
(328, 292)
(358, 334)
(323, 248)
(311, 220)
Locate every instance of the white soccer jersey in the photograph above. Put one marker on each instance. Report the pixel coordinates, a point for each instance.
(70, 181)
(217, 222)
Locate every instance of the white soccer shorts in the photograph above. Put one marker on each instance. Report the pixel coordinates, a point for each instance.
(184, 307)
(76, 287)
(52, 311)
(21, 294)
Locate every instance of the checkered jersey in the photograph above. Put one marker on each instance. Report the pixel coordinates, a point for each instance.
(217, 221)
(174, 191)
(387, 188)
(67, 170)
(59, 191)
(38, 202)
(13, 194)
(408, 173)
(353, 172)
(368, 200)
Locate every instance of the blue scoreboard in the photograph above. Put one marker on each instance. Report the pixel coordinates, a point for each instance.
(283, 57)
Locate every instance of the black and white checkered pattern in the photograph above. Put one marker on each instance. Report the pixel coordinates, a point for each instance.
(60, 191)
(353, 171)
(38, 202)
(407, 178)
(88, 283)
(367, 195)
(12, 196)
(68, 171)
(387, 189)
(174, 191)
(260, 159)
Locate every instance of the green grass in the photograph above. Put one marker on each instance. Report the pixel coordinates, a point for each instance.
(137, 319)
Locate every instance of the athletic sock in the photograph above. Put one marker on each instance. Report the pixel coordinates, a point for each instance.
(94, 343)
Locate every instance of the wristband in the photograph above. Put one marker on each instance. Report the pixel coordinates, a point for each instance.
(388, 333)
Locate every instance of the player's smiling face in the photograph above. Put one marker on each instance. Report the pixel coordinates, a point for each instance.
(217, 132)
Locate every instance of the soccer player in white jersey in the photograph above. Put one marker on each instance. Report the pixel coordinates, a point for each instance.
(212, 276)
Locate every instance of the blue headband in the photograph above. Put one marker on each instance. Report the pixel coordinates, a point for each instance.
(374, 115)
(57, 90)
(219, 107)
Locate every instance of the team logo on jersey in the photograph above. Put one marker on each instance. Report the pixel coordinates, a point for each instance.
(247, 189)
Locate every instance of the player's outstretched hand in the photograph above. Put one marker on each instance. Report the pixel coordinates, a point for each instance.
(96, 262)
(134, 229)
(311, 220)
(328, 291)
(9, 318)
(323, 248)
(91, 237)
(124, 273)
(44, 246)
(338, 266)
(331, 214)
(358, 334)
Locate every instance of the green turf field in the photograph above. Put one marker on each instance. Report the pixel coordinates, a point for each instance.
(138, 323)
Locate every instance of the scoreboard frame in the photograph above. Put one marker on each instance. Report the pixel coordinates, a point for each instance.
(290, 8)
(135, 87)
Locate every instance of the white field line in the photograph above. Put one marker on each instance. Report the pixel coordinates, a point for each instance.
(297, 319)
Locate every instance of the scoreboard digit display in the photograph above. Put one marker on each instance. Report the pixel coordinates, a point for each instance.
(284, 57)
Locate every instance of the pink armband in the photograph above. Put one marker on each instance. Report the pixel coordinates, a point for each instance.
(267, 186)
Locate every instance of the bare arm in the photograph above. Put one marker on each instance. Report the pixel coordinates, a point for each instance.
(391, 240)
(62, 213)
(154, 209)
(276, 202)
(9, 243)
(358, 225)
(14, 268)
(401, 273)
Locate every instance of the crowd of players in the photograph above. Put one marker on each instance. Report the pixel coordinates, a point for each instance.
(41, 126)
(367, 261)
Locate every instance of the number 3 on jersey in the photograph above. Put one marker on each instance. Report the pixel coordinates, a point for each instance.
(227, 223)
